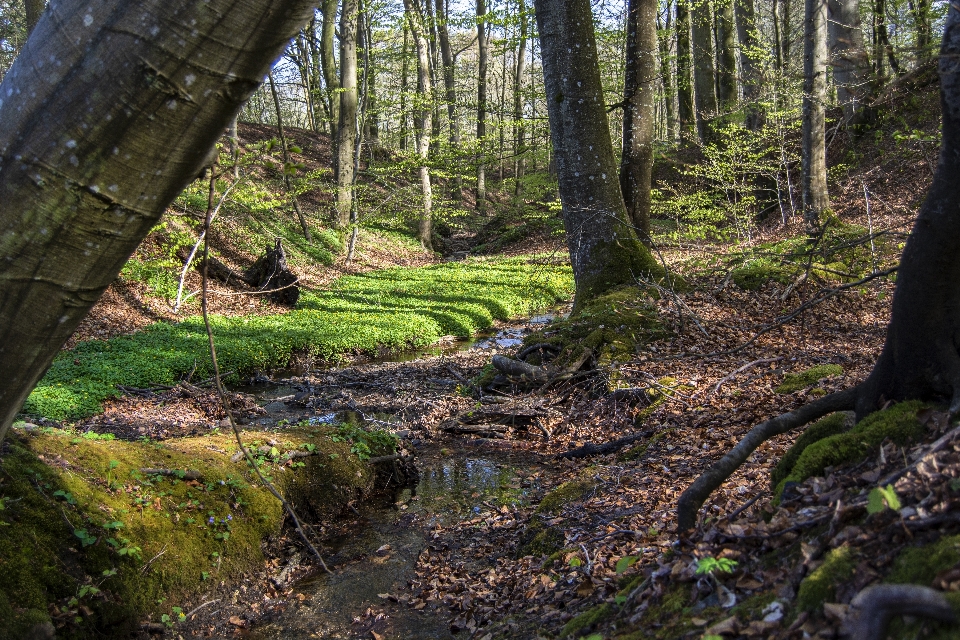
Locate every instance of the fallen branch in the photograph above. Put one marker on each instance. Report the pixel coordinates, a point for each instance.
(876, 605)
(602, 449)
(696, 494)
(731, 375)
(189, 474)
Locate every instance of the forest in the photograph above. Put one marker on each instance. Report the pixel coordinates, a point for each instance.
(427, 320)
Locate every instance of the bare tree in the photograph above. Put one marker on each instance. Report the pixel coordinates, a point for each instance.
(347, 125)
(816, 199)
(423, 119)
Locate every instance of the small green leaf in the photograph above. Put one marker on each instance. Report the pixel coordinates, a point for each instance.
(625, 563)
(575, 562)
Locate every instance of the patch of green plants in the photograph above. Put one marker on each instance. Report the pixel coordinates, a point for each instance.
(808, 377)
(393, 309)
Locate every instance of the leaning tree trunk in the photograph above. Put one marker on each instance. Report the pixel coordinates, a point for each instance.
(921, 357)
(424, 118)
(604, 250)
(94, 147)
(639, 88)
(347, 125)
(814, 153)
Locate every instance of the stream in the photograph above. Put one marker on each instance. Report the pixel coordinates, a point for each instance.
(379, 558)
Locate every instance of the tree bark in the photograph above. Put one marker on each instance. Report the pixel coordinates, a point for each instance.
(816, 199)
(328, 63)
(449, 81)
(286, 162)
(705, 95)
(347, 123)
(518, 120)
(640, 87)
(685, 110)
(117, 107)
(33, 10)
(424, 119)
(482, 61)
(726, 57)
(604, 250)
(749, 62)
(404, 86)
(666, 73)
(848, 56)
(920, 358)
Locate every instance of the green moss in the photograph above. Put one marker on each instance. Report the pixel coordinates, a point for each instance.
(567, 492)
(821, 585)
(619, 264)
(756, 272)
(389, 309)
(831, 425)
(540, 539)
(614, 326)
(587, 620)
(638, 451)
(797, 381)
(898, 423)
(920, 565)
(119, 519)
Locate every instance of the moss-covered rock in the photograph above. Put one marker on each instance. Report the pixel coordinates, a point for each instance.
(797, 381)
(898, 423)
(540, 539)
(89, 537)
(920, 565)
(821, 585)
(825, 427)
(566, 493)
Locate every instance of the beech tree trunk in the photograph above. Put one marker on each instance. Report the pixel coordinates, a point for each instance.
(604, 250)
(666, 74)
(424, 118)
(726, 57)
(921, 356)
(518, 121)
(749, 62)
(816, 200)
(685, 110)
(848, 57)
(483, 56)
(116, 107)
(640, 88)
(328, 63)
(33, 10)
(347, 124)
(705, 95)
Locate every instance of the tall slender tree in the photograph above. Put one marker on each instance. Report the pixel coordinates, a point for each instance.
(483, 56)
(640, 89)
(604, 250)
(749, 64)
(424, 118)
(347, 124)
(704, 72)
(328, 28)
(726, 56)
(666, 70)
(816, 199)
(847, 55)
(519, 70)
(685, 111)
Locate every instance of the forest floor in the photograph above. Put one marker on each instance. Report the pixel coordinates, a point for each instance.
(591, 549)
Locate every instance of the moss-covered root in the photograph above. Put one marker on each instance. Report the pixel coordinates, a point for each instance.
(821, 585)
(898, 423)
(833, 424)
(587, 620)
(797, 381)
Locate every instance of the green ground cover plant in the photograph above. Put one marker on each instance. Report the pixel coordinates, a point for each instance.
(391, 309)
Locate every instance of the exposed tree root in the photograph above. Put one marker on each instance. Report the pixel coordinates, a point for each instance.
(876, 605)
(524, 374)
(603, 449)
(693, 498)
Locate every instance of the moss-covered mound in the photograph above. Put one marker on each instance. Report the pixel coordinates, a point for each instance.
(821, 585)
(391, 309)
(92, 542)
(824, 428)
(797, 381)
(898, 423)
(613, 326)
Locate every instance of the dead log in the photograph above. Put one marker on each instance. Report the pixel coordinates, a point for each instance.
(220, 271)
(606, 448)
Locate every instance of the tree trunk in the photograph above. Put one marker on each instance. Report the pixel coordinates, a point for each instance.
(786, 32)
(726, 57)
(286, 162)
(76, 206)
(685, 110)
(921, 358)
(749, 62)
(922, 28)
(848, 56)
(371, 114)
(449, 81)
(483, 58)
(404, 86)
(705, 95)
(424, 118)
(816, 200)
(347, 124)
(639, 87)
(33, 10)
(666, 73)
(518, 120)
(328, 63)
(604, 250)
